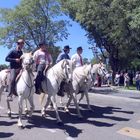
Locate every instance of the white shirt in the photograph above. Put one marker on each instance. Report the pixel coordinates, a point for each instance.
(76, 59)
(40, 57)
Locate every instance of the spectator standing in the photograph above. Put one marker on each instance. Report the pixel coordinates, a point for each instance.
(117, 79)
(137, 79)
(126, 80)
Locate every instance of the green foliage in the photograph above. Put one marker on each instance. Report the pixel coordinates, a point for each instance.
(3, 66)
(113, 24)
(33, 20)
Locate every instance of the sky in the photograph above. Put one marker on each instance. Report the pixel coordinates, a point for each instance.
(76, 38)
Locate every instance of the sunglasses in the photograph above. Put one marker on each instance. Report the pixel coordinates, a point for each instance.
(20, 43)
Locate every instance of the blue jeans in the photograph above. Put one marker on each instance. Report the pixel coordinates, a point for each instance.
(12, 82)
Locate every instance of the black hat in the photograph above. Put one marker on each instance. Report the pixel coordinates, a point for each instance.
(79, 48)
(66, 47)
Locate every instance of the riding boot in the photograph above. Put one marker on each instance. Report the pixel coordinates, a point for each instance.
(61, 90)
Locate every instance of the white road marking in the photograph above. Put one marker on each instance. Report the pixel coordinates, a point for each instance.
(131, 132)
(50, 130)
(69, 138)
(47, 129)
(13, 112)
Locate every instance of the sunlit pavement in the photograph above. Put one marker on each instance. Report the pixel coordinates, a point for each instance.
(114, 117)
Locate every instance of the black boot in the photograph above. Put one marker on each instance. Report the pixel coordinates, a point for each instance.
(61, 90)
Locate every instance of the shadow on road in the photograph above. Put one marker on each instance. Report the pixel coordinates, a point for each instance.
(5, 135)
(103, 90)
(89, 117)
(4, 123)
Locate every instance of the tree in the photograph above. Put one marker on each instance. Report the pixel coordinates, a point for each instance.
(112, 24)
(35, 21)
(3, 66)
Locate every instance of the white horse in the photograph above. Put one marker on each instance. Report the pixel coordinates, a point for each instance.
(83, 79)
(4, 74)
(55, 75)
(25, 86)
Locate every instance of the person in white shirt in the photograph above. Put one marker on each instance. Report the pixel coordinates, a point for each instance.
(43, 60)
(77, 58)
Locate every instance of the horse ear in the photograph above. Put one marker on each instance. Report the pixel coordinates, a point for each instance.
(22, 56)
(31, 53)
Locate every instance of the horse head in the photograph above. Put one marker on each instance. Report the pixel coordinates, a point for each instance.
(27, 61)
(67, 67)
(102, 70)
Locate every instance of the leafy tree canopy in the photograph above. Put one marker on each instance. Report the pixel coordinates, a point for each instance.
(113, 24)
(33, 20)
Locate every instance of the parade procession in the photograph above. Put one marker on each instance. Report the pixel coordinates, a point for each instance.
(70, 70)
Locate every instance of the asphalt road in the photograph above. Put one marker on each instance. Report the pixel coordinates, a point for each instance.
(113, 110)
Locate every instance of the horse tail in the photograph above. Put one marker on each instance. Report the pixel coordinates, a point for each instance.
(42, 95)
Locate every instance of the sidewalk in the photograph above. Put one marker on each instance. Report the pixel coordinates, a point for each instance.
(116, 91)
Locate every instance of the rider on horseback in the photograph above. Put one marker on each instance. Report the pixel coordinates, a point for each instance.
(43, 60)
(15, 66)
(61, 56)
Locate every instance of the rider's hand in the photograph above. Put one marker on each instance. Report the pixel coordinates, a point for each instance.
(17, 60)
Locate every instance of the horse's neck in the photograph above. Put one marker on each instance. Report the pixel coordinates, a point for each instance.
(81, 73)
(56, 72)
(27, 75)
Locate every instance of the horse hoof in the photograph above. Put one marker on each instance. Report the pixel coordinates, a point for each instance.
(43, 115)
(9, 115)
(26, 112)
(21, 127)
(60, 123)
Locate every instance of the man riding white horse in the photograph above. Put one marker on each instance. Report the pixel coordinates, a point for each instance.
(15, 66)
(43, 61)
(61, 56)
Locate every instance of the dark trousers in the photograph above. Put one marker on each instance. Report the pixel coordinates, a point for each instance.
(40, 76)
(12, 81)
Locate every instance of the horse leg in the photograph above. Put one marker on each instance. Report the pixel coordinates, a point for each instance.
(32, 105)
(68, 103)
(20, 105)
(1, 90)
(61, 102)
(71, 96)
(8, 108)
(87, 98)
(53, 100)
(46, 105)
(26, 107)
(81, 97)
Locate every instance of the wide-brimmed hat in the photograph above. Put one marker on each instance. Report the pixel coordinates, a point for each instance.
(66, 47)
